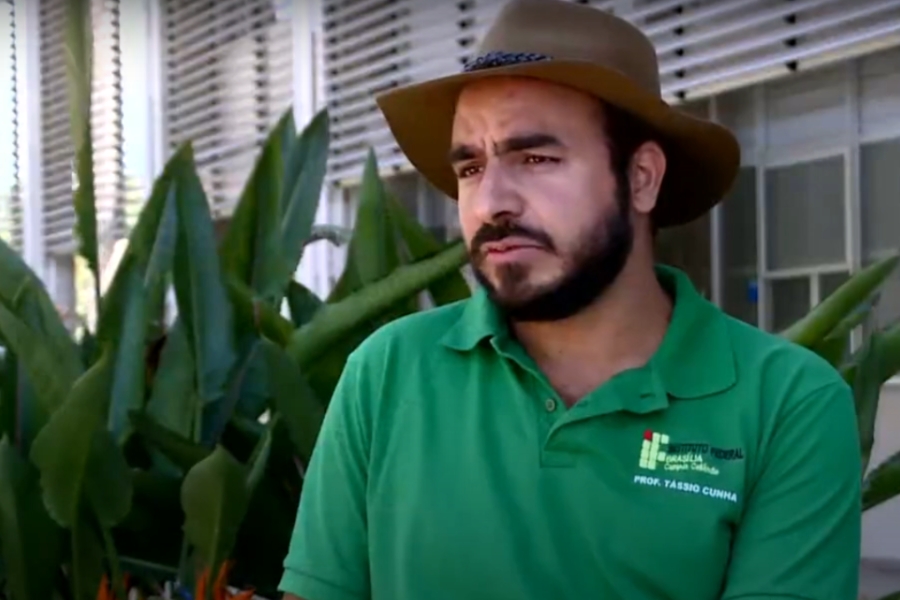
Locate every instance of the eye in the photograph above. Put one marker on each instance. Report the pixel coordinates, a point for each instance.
(467, 171)
(537, 160)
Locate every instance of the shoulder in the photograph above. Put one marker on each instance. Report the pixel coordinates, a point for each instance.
(404, 345)
(786, 379)
(779, 364)
(413, 333)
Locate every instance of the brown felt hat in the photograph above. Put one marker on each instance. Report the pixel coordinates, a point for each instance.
(589, 50)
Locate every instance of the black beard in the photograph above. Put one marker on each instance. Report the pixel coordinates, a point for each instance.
(597, 264)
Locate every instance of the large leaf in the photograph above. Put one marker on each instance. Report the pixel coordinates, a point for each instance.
(222, 411)
(128, 375)
(74, 450)
(9, 392)
(16, 276)
(890, 363)
(336, 321)
(373, 252)
(303, 178)
(420, 243)
(215, 497)
(79, 45)
(821, 320)
(300, 409)
(867, 391)
(20, 415)
(882, 483)
(834, 346)
(29, 539)
(181, 450)
(303, 303)
(256, 315)
(172, 401)
(203, 302)
(87, 566)
(50, 372)
(251, 248)
(151, 246)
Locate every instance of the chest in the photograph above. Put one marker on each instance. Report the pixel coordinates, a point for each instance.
(521, 499)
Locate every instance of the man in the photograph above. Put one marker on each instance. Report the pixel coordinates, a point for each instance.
(587, 425)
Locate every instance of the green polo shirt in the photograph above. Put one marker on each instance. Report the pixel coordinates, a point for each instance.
(448, 469)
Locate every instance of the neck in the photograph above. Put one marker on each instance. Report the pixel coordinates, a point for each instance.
(622, 329)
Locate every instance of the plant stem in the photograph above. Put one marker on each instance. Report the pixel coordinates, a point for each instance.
(113, 558)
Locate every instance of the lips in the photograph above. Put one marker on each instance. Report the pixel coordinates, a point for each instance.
(509, 244)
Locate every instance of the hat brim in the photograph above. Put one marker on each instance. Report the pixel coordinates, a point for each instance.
(702, 157)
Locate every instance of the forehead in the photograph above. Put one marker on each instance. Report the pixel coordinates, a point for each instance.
(502, 106)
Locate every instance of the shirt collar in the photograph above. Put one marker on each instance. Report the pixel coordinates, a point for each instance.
(695, 358)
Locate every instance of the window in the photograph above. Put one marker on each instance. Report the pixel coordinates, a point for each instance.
(880, 190)
(10, 204)
(800, 138)
(805, 234)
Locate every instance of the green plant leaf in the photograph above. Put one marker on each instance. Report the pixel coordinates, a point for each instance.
(203, 302)
(17, 279)
(30, 541)
(373, 252)
(256, 315)
(867, 391)
(259, 460)
(179, 449)
(88, 555)
(50, 375)
(172, 400)
(74, 450)
(79, 43)
(221, 412)
(303, 303)
(9, 393)
(420, 243)
(336, 321)
(151, 246)
(890, 341)
(833, 347)
(821, 320)
(882, 483)
(251, 249)
(304, 176)
(300, 409)
(128, 384)
(215, 498)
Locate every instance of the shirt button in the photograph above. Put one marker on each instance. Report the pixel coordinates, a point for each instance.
(550, 404)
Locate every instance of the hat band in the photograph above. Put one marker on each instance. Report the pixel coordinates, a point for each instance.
(500, 58)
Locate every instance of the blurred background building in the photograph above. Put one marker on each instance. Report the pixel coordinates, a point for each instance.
(811, 87)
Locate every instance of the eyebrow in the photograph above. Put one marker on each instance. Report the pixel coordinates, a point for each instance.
(516, 143)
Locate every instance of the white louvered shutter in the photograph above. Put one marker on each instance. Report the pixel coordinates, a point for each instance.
(704, 47)
(229, 66)
(106, 123)
(10, 197)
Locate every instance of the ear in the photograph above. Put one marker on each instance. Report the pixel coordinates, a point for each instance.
(646, 171)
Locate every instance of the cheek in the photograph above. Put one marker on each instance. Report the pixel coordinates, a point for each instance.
(469, 222)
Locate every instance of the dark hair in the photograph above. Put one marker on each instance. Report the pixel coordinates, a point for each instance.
(626, 133)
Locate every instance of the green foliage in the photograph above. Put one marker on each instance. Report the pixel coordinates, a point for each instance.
(144, 414)
(181, 451)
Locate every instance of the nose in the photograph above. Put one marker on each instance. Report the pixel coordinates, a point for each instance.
(494, 198)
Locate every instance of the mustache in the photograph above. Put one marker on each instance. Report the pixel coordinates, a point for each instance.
(494, 232)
